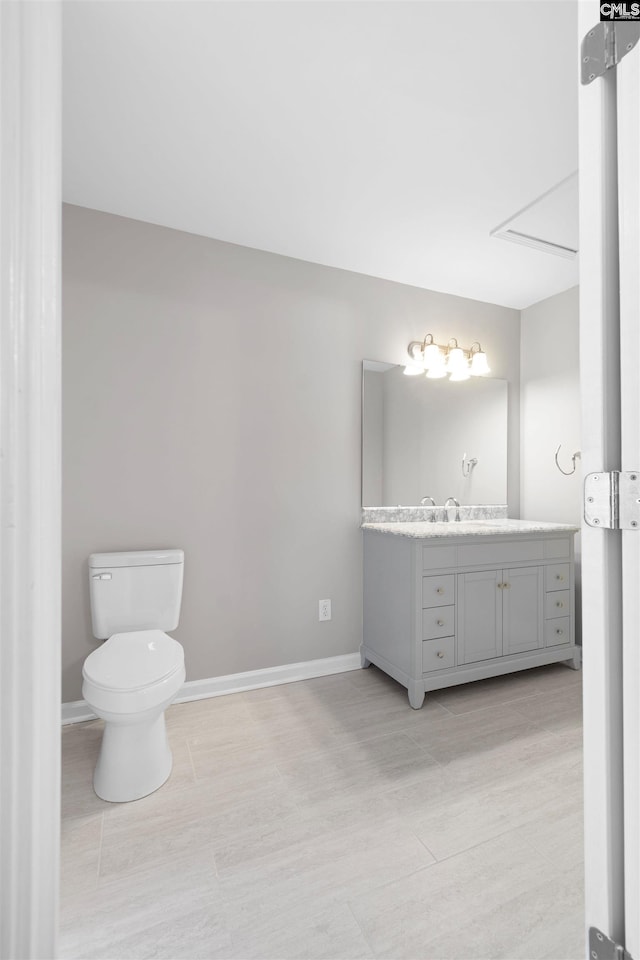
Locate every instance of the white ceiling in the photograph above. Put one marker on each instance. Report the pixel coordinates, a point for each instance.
(386, 137)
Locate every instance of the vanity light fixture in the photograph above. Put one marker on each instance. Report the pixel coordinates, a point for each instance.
(456, 360)
(462, 374)
(439, 361)
(413, 369)
(437, 370)
(433, 356)
(479, 363)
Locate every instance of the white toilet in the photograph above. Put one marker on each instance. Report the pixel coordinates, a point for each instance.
(132, 678)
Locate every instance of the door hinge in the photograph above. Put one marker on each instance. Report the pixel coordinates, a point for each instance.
(602, 947)
(612, 500)
(605, 46)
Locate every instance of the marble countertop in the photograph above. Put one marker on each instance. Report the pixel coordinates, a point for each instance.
(424, 529)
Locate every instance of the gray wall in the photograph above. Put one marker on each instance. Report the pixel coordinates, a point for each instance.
(550, 408)
(550, 411)
(212, 401)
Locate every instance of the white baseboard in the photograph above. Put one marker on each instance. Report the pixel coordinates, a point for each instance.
(78, 710)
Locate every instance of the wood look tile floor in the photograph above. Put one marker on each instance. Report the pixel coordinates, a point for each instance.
(327, 819)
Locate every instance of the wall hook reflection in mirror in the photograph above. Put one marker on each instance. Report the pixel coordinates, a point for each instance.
(468, 465)
(576, 456)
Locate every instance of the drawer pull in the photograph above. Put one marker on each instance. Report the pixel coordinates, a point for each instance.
(559, 632)
(559, 576)
(440, 590)
(440, 623)
(559, 603)
(440, 655)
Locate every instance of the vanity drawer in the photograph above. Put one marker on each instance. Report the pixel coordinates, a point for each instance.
(438, 654)
(557, 576)
(557, 631)
(557, 604)
(438, 591)
(500, 554)
(557, 549)
(438, 622)
(438, 558)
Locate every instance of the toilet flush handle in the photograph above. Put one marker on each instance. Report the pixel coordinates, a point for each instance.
(101, 576)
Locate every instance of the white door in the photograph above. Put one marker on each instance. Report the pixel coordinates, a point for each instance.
(610, 364)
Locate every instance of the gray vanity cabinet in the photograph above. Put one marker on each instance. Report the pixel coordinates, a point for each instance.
(439, 612)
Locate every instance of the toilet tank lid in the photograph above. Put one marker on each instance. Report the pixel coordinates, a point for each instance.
(136, 558)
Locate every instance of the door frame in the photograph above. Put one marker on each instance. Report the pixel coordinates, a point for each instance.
(628, 135)
(609, 169)
(30, 501)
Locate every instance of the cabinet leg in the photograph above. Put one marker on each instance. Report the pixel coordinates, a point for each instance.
(416, 694)
(576, 660)
(364, 663)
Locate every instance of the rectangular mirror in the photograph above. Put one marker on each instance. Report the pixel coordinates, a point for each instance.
(432, 438)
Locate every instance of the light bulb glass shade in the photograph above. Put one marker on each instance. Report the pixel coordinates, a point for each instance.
(433, 356)
(479, 364)
(456, 359)
(437, 371)
(462, 374)
(412, 370)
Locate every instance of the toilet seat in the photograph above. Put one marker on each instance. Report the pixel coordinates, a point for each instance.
(130, 662)
(132, 673)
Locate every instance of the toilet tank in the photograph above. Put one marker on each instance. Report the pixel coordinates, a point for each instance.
(136, 590)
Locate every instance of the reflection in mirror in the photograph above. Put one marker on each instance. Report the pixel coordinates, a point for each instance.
(420, 438)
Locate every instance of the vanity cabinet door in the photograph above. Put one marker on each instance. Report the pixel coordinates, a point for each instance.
(479, 616)
(522, 604)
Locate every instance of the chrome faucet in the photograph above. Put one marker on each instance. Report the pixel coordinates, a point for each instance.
(433, 504)
(452, 500)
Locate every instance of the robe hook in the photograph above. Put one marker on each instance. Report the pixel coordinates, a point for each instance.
(576, 456)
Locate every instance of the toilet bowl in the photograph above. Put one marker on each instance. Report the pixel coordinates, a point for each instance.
(129, 682)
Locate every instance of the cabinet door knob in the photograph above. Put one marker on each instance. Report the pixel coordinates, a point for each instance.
(500, 586)
(440, 590)
(559, 603)
(559, 576)
(440, 623)
(440, 654)
(559, 632)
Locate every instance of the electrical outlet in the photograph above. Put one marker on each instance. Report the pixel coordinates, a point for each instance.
(324, 610)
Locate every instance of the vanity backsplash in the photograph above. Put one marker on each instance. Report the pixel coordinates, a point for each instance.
(485, 511)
